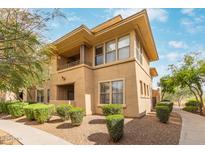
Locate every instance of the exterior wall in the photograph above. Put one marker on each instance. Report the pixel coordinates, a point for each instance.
(144, 104)
(122, 71)
(86, 81)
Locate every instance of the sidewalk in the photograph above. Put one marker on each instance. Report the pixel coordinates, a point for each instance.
(193, 128)
(30, 136)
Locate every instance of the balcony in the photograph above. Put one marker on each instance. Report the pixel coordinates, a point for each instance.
(72, 58)
(73, 64)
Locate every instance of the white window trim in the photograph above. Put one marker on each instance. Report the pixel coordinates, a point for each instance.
(110, 81)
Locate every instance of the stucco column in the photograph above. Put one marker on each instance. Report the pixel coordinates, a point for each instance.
(82, 54)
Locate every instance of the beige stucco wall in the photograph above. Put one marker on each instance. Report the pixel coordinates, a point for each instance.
(86, 81)
(122, 71)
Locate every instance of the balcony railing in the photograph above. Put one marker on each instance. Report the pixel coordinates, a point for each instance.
(72, 64)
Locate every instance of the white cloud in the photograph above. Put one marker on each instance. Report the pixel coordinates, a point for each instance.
(188, 11)
(178, 44)
(154, 14)
(193, 25)
(172, 56)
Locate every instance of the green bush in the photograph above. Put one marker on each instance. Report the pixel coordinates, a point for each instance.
(193, 109)
(111, 109)
(168, 104)
(16, 109)
(115, 125)
(43, 113)
(4, 107)
(63, 111)
(76, 116)
(29, 110)
(163, 113)
(192, 102)
(39, 112)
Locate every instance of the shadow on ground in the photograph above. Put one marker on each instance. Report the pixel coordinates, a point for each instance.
(145, 131)
(97, 121)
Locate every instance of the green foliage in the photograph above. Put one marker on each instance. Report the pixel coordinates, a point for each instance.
(4, 107)
(167, 85)
(193, 109)
(29, 111)
(63, 111)
(192, 102)
(25, 53)
(16, 109)
(39, 112)
(115, 125)
(163, 113)
(76, 116)
(111, 109)
(188, 74)
(166, 103)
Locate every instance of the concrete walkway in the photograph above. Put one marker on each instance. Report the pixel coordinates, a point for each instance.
(193, 128)
(28, 135)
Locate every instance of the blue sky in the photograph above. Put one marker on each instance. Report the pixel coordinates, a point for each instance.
(176, 31)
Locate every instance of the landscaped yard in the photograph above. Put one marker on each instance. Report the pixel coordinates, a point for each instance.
(146, 130)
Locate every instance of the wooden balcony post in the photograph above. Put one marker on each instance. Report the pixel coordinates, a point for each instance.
(82, 54)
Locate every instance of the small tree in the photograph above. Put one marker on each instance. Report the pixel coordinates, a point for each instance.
(188, 74)
(24, 52)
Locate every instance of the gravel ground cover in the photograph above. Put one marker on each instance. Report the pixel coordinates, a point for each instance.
(145, 130)
(7, 139)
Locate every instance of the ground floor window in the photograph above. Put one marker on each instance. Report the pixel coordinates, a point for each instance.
(112, 92)
(40, 96)
(70, 92)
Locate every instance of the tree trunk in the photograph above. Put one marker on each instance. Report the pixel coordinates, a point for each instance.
(162, 97)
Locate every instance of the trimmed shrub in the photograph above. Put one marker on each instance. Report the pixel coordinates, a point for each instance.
(111, 109)
(39, 112)
(192, 102)
(16, 109)
(4, 107)
(43, 113)
(115, 125)
(29, 110)
(76, 116)
(163, 113)
(168, 104)
(63, 111)
(193, 109)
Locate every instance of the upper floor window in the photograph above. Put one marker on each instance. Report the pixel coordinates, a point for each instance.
(124, 47)
(99, 56)
(139, 50)
(110, 51)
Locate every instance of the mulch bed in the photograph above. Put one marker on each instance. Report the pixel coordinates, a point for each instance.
(145, 130)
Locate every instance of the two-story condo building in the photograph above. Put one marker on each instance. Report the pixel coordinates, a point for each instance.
(106, 64)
